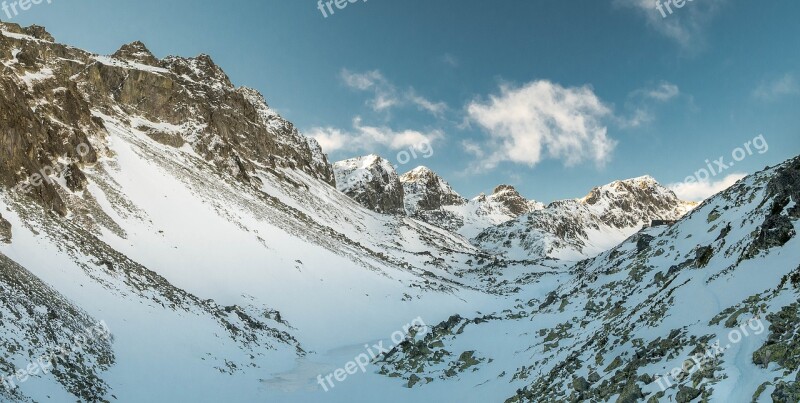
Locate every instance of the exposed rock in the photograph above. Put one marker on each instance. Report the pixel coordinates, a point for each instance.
(137, 52)
(425, 190)
(38, 32)
(687, 394)
(5, 230)
(778, 228)
(511, 200)
(371, 181)
(75, 179)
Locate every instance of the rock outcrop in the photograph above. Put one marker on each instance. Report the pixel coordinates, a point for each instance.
(425, 190)
(371, 181)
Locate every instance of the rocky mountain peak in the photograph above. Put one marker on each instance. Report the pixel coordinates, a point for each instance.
(200, 69)
(503, 189)
(39, 32)
(371, 181)
(137, 52)
(627, 202)
(34, 31)
(418, 173)
(510, 199)
(426, 190)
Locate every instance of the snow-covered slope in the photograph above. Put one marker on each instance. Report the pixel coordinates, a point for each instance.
(705, 310)
(576, 229)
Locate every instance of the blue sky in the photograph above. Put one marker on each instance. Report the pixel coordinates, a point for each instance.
(551, 96)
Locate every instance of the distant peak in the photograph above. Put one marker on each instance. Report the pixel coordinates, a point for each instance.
(136, 52)
(365, 162)
(645, 179)
(372, 158)
(503, 189)
(200, 68)
(421, 169)
(418, 173)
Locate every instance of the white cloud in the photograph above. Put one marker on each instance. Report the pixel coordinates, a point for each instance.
(699, 191)
(640, 117)
(386, 95)
(778, 88)
(329, 138)
(368, 138)
(664, 92)
(363, 81)
(450, 60)
(639, 104)
(434, 108)
(540, 119)
(684, 25)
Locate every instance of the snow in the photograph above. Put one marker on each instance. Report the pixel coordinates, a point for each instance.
(110, 61)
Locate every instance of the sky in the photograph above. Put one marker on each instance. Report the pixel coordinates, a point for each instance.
(553, 97)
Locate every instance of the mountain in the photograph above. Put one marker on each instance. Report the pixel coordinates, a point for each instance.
(469, 218)
(581, 228)
(225, 259)
(425, 190)
(424, 195)
(371, 181)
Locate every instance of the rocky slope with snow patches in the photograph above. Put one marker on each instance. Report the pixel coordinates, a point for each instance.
(580, 228)
(471, 217)
(705, 310)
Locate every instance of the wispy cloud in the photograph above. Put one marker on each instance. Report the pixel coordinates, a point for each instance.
(699, 191)
(541, 119)
(386, 95)
(369, 138)
(639, 106)
(772, 90)
(450, 60)
(664, 92)
(686, 25)
(434, 108)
